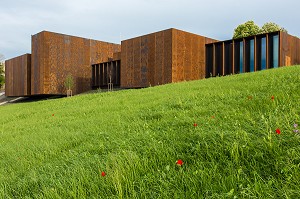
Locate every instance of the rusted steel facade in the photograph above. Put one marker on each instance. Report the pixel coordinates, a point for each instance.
(55, 56)
(18, 76)
(289, 50)
(158, 58)
(254, 53)
(188, 55)
(162, 57)
(147, 60)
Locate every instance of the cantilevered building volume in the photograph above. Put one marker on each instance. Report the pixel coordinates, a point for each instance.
(158, 58)
(162, 57)
(54, 56)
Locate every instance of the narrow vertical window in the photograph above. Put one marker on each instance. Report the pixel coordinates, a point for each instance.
(251, 55)
(263, 53)
(275, 51)
(209, 60)
(241, 56)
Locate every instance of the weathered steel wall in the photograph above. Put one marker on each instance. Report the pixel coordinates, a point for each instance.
(17, 76)
(117, 56)
(289, 50)
(55, 56)
(147, 60)
(162, 57)
(188, 55)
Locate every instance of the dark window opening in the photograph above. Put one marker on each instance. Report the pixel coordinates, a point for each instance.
(219, 59)
(105, 73)
(228, 59)
(209, 60)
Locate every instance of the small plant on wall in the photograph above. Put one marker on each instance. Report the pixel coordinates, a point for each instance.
(69, 83)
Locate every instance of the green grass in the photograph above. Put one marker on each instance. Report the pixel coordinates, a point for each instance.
(136, 137)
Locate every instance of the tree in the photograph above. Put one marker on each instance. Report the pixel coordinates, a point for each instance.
(246, 29)
(69, 83)
(250, 28)
(2, 75)
(271, 27)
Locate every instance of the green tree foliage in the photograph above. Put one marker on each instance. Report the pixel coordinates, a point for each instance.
(249, 28)
(246, 29)
(271, 27)
(2, 75)
(69, 82)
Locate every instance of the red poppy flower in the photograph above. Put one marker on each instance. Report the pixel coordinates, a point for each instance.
(52, 114)
(278, 131)
(103, 174)
(272, 98)
(179, 162)
(195, 124)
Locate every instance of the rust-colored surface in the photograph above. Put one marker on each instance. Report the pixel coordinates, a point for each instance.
(162, 57)
(188, 56)
(158, 58)
(17, 76)
(147, 60)
(117, 56)
(289, 50)
(55, 56)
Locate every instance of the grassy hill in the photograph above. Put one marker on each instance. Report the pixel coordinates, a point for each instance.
(223, 129)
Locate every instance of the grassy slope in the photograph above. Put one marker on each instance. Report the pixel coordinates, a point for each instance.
(136, 136)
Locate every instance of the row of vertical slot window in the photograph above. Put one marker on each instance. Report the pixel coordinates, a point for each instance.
(214, 58)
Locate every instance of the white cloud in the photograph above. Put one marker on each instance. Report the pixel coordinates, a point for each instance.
(106, 19)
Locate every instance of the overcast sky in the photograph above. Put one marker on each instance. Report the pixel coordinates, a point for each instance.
(115, 20)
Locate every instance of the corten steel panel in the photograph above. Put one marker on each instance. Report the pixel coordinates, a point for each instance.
(188, 55)
(55, 56)
(195, 60)
(167, 77)
(130, 63)
(178, 51)
(124, 78)
(37, 60)
(17, 76)
(146, 60)
(151, 60)
(284, 50)
(162, 57)
(188, 67)
(137, 62)
(117, 56)
(159, 58)
(289, 50)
